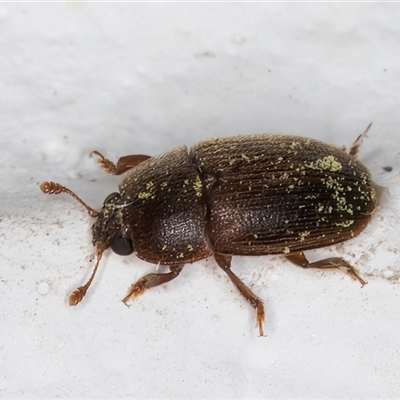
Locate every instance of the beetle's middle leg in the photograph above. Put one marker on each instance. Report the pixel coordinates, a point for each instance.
(300, 260)
(123, 164)
(149, 281)
(224, 262)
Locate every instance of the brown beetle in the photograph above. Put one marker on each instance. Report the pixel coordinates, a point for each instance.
(242, 195)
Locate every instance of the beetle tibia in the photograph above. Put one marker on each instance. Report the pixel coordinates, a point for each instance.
(300, 260)
(224, 262)
(149, 281)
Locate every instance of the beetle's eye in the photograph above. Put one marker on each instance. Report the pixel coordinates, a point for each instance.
(121, 246)
(112, 198)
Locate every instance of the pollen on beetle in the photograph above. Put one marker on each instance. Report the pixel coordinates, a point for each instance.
(286, 250)
(198, 186)
(245, 158)
(343, 206)
(284, 176)
(148, 193)
(303, 235)
(328, 163)
(345, 224)
(145, 196)
(190, 247)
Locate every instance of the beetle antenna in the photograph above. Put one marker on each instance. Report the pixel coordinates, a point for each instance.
(56, 188)
(77, 296)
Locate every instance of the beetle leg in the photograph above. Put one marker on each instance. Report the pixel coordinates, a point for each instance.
(149, 281)
(123, 164)
(300, 260)
(356, 145)
(224, 262)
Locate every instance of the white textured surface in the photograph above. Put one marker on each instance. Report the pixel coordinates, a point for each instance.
(142, 78)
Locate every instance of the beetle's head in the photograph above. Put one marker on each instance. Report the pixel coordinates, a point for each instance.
(110, 230)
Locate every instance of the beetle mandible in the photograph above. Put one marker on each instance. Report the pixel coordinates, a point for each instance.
(242, 195)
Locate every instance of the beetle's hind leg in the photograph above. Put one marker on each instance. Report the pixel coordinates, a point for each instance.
(224, 262)
(123, 164)
(149, 281)
(356, 145)
(300, 260)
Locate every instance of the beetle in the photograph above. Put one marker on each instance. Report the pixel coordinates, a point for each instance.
(243, 195)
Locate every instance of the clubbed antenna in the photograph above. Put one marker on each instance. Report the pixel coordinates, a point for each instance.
(56, 188)
(77, 296)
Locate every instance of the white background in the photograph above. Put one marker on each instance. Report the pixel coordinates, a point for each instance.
(142, 78)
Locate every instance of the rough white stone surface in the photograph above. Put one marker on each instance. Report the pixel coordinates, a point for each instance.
(145, 77)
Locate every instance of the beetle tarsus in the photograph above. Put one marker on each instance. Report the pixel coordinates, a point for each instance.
(136, 290)
(108, 166)
(260, 317)
(356, 145)
(149, 281)
(123, 164)
(300, 260)
(224, 262)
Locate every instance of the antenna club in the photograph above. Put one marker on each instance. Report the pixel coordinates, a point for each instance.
(77, 296)
(51, 188)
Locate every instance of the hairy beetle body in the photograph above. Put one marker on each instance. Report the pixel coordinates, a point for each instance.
(242, 195)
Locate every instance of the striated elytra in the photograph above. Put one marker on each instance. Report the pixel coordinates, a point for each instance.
(242, 195)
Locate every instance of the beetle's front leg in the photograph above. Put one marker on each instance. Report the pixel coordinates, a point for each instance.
(224, 262)
(300, 260)
(149, 281)
(123, 164)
